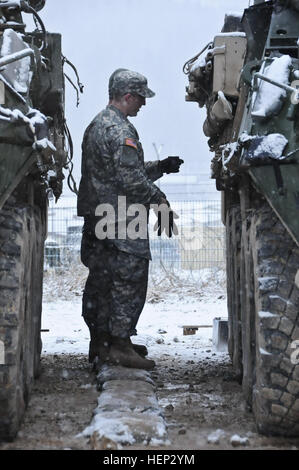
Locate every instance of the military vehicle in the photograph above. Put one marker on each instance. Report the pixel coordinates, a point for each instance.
(247, 78)
(32, 158)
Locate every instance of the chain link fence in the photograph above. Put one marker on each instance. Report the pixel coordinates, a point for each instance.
(200, 242)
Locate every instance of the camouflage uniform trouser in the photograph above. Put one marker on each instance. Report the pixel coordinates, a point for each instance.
(116, 287)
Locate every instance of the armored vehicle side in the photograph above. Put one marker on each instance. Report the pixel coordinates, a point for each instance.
(247, 78)
(32, 158)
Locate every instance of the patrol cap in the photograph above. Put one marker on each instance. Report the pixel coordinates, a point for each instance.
(111, 81)
(124, 81)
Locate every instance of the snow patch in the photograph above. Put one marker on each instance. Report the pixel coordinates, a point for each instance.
(228, 151)
(125, 428)
(87, 386)
(215, 436)
(267, 283)
(43, 144)
(18, 73)
(110, 427)
(184, 301)
(7, 43)
(239, 34)
(16, 115)
(38, 117)
(267, 315)
(272, 145)
(280, 298)
(236, 440)
(245, 137)
(21, 84)
(270, 97)
(2, 353)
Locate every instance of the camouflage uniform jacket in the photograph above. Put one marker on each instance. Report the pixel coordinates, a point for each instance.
(112, 166)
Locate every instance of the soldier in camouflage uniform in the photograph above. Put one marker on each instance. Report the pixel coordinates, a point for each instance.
(113, 166)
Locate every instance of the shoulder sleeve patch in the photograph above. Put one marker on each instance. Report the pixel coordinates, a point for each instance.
(131, 143)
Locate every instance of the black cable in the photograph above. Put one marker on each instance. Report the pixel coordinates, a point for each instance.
(74, 86)
(70, 178)
(186, 67)
(80, 85)
(36, 24)
(29, 9)
(70, 141)
(70, 166)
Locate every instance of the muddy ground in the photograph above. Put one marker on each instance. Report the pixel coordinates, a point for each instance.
(198, 397)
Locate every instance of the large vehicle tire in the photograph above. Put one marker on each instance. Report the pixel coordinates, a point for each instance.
(273, 323)
(247, 314)
(22, 236)
(233, 263)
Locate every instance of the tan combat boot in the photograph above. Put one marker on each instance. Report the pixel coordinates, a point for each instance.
(99, 347)
(94, 348)
(123, 354)
(140, 349)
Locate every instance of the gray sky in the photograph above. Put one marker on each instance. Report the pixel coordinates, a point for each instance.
(153, 37)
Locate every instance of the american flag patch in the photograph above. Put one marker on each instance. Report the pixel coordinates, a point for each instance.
(131, 143)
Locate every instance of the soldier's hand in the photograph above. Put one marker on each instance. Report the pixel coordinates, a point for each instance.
(163, 201)
(171, 164)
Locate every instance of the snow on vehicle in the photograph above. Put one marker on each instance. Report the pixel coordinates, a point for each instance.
(32, 159)
(247, 78)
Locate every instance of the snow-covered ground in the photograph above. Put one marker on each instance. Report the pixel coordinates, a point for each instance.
(160, 325)
(160, 328)
(195, 387)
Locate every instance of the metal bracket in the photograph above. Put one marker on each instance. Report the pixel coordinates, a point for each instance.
(248, 75)
(8, 59)
(287, 88)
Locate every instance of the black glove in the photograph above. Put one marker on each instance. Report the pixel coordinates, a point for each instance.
(171, 165)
